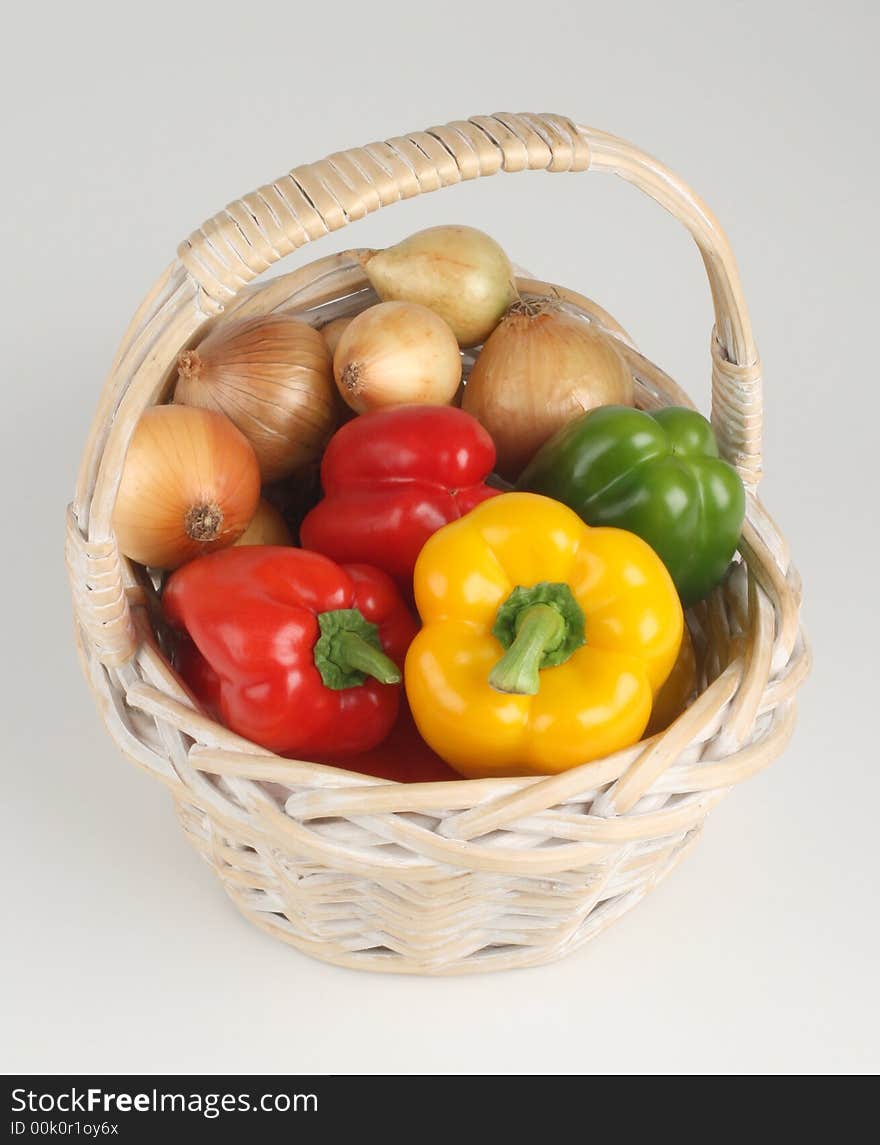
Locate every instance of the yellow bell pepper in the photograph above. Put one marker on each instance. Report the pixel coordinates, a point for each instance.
(675, 694)
(544, 642)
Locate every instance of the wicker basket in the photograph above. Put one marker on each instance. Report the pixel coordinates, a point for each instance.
(434, 877)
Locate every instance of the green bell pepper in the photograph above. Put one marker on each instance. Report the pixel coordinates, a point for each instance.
(656, 474)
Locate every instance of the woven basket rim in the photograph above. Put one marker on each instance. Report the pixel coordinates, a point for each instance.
(263, 297)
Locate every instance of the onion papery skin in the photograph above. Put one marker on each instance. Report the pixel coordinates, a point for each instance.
(267, 527)
(272, 377)
(538, 370)
(190, 484)
(397, 353)
(333, 331)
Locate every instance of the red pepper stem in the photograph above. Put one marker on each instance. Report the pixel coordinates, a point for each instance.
(352, 651)
(349, 650)
(539, 628)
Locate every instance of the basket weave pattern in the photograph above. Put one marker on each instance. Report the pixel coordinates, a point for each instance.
(435, 877)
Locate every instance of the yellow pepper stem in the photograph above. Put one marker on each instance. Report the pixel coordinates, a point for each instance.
(539, 629)
(540, 626)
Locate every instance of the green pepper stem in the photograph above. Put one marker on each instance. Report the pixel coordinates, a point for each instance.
(539, 629)
(351, 651)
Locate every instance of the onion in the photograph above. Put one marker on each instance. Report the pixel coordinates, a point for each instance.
(540, 369)
(272, 377)
(397, 353)
(190, 484)
(333, 331)
(458, 272)
(267, 527)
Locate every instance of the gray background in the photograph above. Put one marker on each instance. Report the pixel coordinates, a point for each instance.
(125, 127)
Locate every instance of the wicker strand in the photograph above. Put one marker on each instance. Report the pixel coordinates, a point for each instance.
(737, 412)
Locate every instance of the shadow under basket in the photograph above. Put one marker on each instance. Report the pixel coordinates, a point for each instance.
(442, 877)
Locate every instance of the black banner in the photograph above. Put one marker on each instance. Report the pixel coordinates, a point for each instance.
(247, 1109)
(134, 1108)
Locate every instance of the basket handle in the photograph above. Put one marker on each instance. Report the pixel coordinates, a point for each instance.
(240, 242)
(249, 235)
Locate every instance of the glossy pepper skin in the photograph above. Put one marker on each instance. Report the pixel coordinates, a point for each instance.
(393, 477)
(288, 649)
(590, 620)
(656, 474)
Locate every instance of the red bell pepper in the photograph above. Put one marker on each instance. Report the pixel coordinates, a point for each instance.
(403, 756)
(393, 477)
(290, 650)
